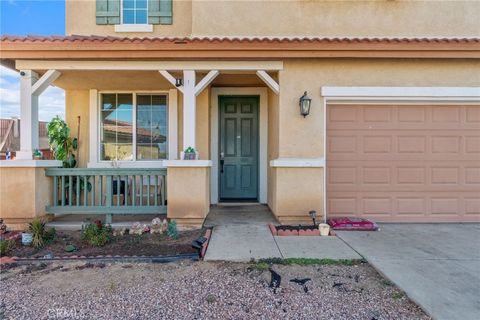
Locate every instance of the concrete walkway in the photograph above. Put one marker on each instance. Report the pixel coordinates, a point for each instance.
(241, 233)
(437, 265)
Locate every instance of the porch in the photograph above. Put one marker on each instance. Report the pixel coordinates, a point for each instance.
(133, 120)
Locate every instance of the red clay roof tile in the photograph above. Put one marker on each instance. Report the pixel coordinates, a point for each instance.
(111, 39)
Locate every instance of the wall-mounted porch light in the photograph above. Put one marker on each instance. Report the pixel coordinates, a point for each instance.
(305, 103)
(178, 82)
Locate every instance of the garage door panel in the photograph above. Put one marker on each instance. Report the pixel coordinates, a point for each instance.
(472, 206)
(375, 114)
(404, 163)
(446, 114)
(472, 145)
(472, 114)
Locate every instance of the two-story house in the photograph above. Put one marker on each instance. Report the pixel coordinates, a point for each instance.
(361, 108)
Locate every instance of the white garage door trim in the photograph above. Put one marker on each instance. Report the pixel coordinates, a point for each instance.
(381, 95)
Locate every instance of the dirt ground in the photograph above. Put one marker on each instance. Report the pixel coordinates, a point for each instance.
(146, 244)
(200, 290)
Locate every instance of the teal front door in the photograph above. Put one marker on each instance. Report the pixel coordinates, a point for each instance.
(238, 158)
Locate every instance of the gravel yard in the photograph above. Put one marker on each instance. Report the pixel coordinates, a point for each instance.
(199, 290)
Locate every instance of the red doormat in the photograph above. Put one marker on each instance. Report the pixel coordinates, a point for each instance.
(354, 224)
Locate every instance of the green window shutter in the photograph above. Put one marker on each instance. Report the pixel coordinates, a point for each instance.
(108, 11)
(160, 11)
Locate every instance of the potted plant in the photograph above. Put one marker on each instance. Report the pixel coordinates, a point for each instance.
(61, 143)
(37, 154)
(189, 154)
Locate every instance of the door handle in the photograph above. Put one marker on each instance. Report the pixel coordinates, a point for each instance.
(222, 161)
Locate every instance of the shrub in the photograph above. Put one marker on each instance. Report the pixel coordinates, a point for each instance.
(40, 235)
(97, 235)
(6, 246)
(61, 143)
(172, 230)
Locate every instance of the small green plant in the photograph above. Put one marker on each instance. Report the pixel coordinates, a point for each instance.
(37, 154)
(189, 150)
(70, 248)
(172, 230)
(50, 235)
(40, 235)
(397, 295)
(261, 266)
(189, 153)
(387, 283)
(210, 298)
(97, 235)
(61, 143)
(6, 246)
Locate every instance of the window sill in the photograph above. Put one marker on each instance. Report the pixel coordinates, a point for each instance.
(127, 164)
(134, 28)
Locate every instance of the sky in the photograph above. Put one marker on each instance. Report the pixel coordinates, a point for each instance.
(30, 17)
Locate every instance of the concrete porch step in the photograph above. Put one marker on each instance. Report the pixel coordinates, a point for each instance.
(252, 214)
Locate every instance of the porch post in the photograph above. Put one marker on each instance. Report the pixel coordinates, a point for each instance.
(28, 115)
(189, 109)
(30, 88)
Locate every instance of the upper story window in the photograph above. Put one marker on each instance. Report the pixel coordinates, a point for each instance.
(133, 15)
(134, 11)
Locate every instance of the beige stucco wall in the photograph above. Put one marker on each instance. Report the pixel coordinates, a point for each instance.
(325, 18)
(303, 137)
(188, 195)
(81, 20)
(24, 193)
(77, 105)
(298, 190)
(273, 113)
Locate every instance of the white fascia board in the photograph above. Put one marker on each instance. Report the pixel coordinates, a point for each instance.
(401, 92)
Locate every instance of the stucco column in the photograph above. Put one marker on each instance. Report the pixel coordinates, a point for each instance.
(188, 191)
(28, 115)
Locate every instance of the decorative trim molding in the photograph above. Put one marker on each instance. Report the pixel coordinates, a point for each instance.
(263, 137)
(401, 93)
(202, 65)
(187, 163)
(127, 164)
(133, 28)
(30, 163)
(297, 163)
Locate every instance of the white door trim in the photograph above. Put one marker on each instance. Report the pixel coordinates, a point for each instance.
(381, 95)
(263, 137)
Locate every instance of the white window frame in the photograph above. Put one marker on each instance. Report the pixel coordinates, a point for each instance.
(133, 27)
(172, 136)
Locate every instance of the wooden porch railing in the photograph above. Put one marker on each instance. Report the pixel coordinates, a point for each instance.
(108, 191)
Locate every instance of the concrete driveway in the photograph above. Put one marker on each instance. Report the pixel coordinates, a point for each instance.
(437, 265)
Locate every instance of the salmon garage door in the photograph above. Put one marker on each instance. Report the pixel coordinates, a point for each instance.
(404, 163)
